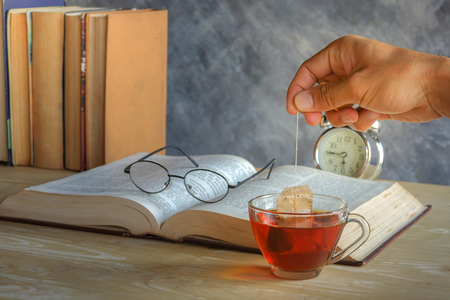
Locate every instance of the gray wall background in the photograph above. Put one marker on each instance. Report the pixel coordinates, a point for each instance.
(230, 63)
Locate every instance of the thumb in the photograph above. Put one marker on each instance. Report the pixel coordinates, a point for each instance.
(325, 97)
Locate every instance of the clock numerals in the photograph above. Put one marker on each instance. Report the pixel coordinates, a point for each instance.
(346, 139)
(342, 152)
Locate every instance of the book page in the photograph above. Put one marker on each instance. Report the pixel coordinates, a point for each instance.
(111, 180)
(354, 191)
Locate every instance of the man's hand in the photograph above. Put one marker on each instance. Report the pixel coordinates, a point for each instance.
(381, 81)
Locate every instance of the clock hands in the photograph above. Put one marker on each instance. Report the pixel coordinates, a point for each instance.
(343, 154)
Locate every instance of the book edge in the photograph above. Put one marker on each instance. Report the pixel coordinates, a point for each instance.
(209, 242)
(386, 243)
(66, 226)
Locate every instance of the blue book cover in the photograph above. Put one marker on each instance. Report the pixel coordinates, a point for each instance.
(7, 5)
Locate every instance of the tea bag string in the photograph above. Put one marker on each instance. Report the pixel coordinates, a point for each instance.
(296, 151)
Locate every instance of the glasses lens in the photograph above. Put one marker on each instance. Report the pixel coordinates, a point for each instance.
(149, 176)
(206, 186)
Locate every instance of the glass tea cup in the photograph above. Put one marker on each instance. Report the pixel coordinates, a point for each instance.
(299, 245)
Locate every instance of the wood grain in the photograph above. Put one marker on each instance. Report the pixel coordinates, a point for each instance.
(40, 262)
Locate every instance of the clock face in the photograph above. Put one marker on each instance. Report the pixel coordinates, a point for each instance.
(342, 151)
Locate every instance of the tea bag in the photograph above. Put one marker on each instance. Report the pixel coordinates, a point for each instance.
(295, 199)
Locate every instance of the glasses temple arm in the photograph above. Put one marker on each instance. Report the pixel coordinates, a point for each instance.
(270, 164)
(127, 169)
(187, 155)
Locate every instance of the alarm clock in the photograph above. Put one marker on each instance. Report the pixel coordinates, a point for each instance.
(344, 151)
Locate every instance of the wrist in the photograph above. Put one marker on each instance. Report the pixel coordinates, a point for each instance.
(438, 84)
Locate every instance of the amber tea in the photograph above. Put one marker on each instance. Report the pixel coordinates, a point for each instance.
(292, 248)
(299, 245)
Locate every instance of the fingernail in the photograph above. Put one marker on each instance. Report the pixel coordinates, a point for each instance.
(347, 119)
(303, 101)
(373, 115)
(352, 127)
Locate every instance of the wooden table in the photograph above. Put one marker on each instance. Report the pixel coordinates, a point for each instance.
(38, 262)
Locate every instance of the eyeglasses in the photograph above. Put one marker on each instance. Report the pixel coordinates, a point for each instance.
(204, 185)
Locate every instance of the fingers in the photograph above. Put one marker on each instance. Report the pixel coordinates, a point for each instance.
(333, 63)
(292, 91)
(358, 119)
(365, 120)
(313, 118)
(315, 68)
(384, 117)
(327, 97)
(342, 117)
(331, 95)
(295, 90)
(330, 78)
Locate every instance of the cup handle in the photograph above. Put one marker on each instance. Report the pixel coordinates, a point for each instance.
(365, 228)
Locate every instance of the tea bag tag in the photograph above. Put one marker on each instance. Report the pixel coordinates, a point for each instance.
(296, 199)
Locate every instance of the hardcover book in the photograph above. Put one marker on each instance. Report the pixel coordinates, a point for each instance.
(5, 132)
(135, 85)
(47, 56)
(104, 199)
(74, 89)
(118, 79)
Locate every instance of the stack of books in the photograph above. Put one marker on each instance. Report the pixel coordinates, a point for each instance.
(83, 86)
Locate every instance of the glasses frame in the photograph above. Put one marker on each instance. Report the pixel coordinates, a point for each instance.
(168, 183)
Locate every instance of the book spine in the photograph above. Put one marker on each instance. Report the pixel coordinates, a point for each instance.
(6, 83)
(83, 92)
(30, 76)
(6, 6)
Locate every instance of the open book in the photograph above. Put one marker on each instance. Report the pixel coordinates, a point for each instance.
(104, 199)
